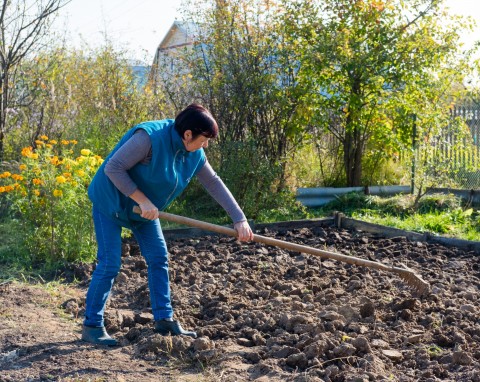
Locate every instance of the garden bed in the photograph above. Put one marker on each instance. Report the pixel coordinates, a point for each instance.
(266, 314)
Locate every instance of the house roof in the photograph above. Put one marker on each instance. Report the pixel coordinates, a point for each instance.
(181, 33)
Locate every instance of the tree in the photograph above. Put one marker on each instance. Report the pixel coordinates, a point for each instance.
(242, 65)
(90, 96)
(372, 64)
(23, 26)
(244, 68)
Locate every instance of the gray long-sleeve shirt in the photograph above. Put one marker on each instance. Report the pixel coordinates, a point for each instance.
(138, 149)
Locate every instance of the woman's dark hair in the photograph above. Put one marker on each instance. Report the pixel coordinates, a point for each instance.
(197, 119)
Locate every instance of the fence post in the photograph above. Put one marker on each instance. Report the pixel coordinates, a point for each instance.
(414, 151)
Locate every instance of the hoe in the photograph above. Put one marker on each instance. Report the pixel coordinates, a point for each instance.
(412, 279)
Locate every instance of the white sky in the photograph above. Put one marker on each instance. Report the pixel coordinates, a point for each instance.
(136, 25)
(140, 25)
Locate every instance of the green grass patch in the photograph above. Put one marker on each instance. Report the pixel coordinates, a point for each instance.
(16, 261)
(439, 214)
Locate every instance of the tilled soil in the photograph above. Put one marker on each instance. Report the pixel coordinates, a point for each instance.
(266, 314)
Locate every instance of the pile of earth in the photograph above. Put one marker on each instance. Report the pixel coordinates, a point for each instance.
(266, 314)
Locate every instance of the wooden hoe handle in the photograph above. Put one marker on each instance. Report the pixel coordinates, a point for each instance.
(413, 279)
(274, 242)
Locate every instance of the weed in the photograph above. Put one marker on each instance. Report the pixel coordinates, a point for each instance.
(437, 321)
(434, 350)
(263, 266)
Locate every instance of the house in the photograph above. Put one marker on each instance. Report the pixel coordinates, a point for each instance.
(180, 36)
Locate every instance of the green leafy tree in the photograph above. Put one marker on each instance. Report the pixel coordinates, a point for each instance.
(244, 68)
(370, 65)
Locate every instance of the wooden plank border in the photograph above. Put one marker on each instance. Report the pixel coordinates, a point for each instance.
(339, 220)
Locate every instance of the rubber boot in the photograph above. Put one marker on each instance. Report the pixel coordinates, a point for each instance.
(97, 336)
(165, 327)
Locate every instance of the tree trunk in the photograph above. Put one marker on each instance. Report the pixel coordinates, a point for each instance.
(3, 113)
(353, 153)
(353, 159)
(354, 139)
(2, 135)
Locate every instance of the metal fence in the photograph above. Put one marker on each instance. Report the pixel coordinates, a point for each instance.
(465, 159)
(455, 154)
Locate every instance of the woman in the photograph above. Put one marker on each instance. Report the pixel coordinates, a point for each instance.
(149, 167)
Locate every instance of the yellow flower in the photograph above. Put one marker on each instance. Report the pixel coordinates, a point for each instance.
(48, 145)
(27, 152)
(22, 167)
(81, 173)
(17, 177)
(36, 192)
(65, 142)
(9, 188)
(6, 174)
(34, 156)
(73, 142)
(2, 189)
(44, 137)
(57, 193)
(53, 141)
(70, 161)
(61, 179)
(85, 152)
(40, 143)
(37, 181)
(54, 160)
(67, 174)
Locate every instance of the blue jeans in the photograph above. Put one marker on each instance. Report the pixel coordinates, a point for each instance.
(152, 244)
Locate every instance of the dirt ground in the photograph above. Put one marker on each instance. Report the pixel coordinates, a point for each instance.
(262, 313)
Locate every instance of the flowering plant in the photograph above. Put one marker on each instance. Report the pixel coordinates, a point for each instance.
(47, 191)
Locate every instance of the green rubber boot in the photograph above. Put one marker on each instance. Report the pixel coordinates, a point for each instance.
(97, 336)
(165, 327)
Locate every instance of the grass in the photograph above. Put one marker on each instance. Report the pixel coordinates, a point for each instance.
(439, 214)
(16, 261)
(13, 255)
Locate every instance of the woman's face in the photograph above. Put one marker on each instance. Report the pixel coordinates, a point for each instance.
(194, 144)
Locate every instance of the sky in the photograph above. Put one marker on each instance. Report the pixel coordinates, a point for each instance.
(140, 25)
(136, 25)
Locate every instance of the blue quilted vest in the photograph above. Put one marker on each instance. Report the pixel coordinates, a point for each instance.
(162, 180)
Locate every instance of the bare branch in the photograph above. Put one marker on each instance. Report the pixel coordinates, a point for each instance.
(26, 43)
(21, 30)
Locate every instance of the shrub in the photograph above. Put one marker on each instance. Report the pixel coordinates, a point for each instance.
(252, 179)
(438, 202)
(349, 202)
(47, 193)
